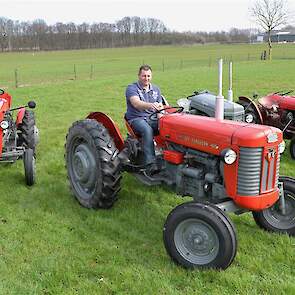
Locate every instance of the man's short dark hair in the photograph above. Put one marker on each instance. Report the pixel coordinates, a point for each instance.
(144, 68)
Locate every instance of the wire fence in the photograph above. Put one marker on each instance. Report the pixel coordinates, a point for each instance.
(53, 72)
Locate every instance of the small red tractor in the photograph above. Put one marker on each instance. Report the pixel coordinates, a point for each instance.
(276, 109)
(18, 138)
(225, 166)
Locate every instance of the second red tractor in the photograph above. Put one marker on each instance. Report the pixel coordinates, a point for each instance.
(18, 137)
(275, 109)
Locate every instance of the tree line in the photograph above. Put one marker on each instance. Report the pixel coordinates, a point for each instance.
(128, 31)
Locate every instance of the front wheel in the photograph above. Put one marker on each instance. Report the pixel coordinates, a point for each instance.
(29, 165)
(198, 235)
(273, 219)
(292, 148)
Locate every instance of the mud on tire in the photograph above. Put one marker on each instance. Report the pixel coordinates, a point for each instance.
(92, 164)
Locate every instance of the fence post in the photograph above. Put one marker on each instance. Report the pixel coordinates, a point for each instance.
(75, 73)
(248, 56)
(210, 61)
(16, 78)
(181, 64)
(163, 65)
(91, 72)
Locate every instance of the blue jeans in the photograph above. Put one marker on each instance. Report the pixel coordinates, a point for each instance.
(146, 129)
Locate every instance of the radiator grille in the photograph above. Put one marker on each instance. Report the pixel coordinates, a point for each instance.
(278, 170)
(249, 171)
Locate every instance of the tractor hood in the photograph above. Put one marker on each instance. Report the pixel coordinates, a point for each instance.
(213, 136)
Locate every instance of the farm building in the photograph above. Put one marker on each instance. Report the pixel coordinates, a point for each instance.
(278, 36)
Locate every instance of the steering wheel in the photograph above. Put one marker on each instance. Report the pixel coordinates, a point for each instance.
(282, 93)
(177, 109)
(1, 91)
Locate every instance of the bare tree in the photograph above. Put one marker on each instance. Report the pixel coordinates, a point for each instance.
(270, 15)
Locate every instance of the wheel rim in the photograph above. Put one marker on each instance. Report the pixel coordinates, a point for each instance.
(196, 241)
(82, 169)
(249, 118)
(275, 217)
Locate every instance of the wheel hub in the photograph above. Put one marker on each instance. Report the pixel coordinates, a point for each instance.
(81, 165)
(196, 241)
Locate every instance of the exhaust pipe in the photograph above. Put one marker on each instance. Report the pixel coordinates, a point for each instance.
(219, 109)
(230, 78)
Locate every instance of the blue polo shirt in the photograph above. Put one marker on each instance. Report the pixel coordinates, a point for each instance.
(151, 95)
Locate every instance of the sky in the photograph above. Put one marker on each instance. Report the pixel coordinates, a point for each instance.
(178, 15)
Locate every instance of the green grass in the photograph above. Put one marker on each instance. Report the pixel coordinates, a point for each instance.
(51, 245)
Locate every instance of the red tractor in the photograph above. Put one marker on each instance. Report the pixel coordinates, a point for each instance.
(275, 109)
(18, 138)
(225, 166)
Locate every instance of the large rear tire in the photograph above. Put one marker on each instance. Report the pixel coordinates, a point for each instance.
(292, 148)
(27, 131)
(272, 219)
(29, 166)
(198, 235)
(92, 164)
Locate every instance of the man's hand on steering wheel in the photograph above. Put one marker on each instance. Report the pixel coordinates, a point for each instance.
(173, 110)
(157, 106)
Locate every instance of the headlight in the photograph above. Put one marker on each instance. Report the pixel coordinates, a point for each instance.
(249, 118)
(4, 125)
(229, 156)
(282, 146)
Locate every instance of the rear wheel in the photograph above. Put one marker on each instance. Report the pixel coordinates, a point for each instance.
(92, 164)
(292, 148)
(198, 235)
(29, 166)
(27, 131)
(273, 219)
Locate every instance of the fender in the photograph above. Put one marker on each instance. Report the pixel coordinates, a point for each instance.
(110, 125)
(20, 116)
(250, 101)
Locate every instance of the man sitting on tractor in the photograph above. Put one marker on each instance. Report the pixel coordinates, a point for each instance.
(143, 98)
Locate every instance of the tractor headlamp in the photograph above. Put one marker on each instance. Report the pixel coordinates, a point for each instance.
(229, 156)
(249, 118)
(4, 124)
(282, 146)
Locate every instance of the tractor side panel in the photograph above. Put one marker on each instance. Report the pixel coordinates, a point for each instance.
(20, 116)
(108, 123)
(8, 98)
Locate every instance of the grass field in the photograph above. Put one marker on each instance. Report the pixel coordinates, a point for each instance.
(51, 245)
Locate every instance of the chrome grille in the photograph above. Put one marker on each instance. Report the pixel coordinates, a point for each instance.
(269, 174)
(249, 171)
(278, 170)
